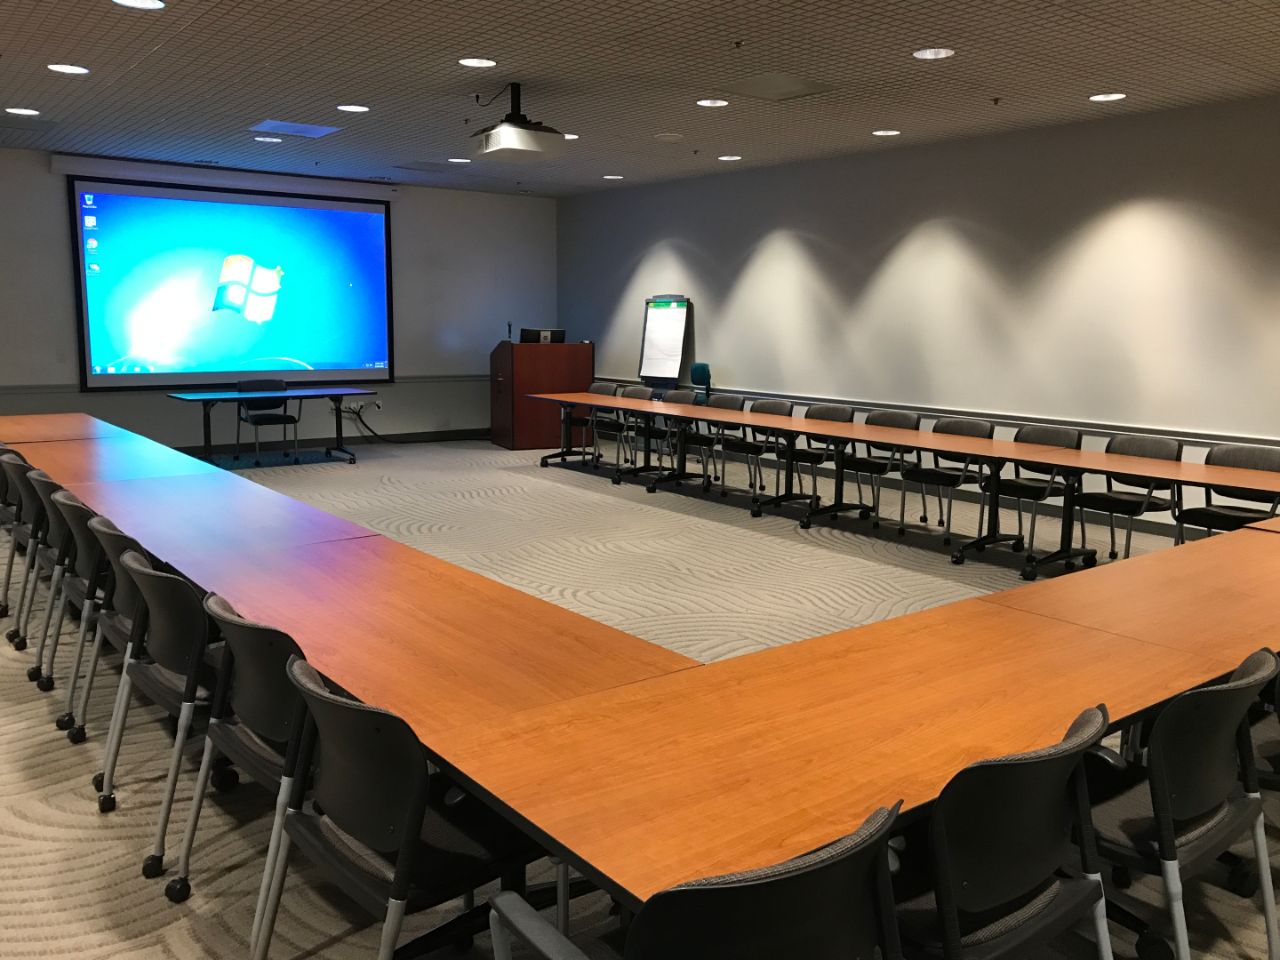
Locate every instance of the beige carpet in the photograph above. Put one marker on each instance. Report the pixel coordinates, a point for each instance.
(697, 575)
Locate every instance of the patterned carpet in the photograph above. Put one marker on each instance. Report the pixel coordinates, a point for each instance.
(697, 575)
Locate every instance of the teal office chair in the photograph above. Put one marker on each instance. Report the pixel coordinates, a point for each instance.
(700, 377)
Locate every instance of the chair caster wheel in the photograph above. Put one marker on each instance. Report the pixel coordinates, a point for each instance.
(1028, 572)
(1068, 565)
(756, 512)
(98, 780)
(651, 488)
(958, 557)
(1121, 878)
(177, 890)
(153, 867)
(76, 734)
(1018, 545)
(941, 522)
(34, 674)
(44, 684)
(1152, 947)
(106, 803)
(804, 524)
(902, 531)
(1089, 562)
(12, 634)
(924, 518)
(542, 464)
(865, 514)
(20, 644)
(4, 609)
(65, 722)
(617, 481)
(224, 779)
(1112, 555)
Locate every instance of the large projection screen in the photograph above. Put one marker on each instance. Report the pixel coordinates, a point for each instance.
(194, 285)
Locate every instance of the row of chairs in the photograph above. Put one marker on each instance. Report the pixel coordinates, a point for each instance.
(1009, 856)
(1124, 497)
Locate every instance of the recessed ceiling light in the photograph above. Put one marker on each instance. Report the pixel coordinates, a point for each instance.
(459, 160)
(571, 136)
(885, 133)
(729, 156)
(713, 102)
(352, 108)
(1106, 97)
(22, 111)
(612, 176)
(268, 139)
(478, 62)
(934, 53)
(141, 4)
(67, 68)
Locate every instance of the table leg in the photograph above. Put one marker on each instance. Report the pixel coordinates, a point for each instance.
(338, 442)
(789, 487)
(993, 534)
(646, 462)
(566, 439)
(206, 406)
(679, 471)
(839, 506)
(1066, 554)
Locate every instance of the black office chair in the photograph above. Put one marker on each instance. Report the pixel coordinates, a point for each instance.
(381, 827)
(877, 461)
(10, 519)
(1200, 797)
(585, 423)
(261, 412)
(708, 439)
(51, 556)
(1031, 482)
(113, 623)
(1142, 496)
(26, 511)
(1226, 516)
(165, 663)
(618, 429)
(82, 589)
(1006, 873)
(250, 725)
(835, 903)
(947, 472)
(818, 450)
(756, 443)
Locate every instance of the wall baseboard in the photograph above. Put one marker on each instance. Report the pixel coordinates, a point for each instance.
(351, 440)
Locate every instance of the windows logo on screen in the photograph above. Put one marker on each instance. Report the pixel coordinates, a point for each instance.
(248, 289)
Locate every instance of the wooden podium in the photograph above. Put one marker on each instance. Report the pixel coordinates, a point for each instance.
(519, 369)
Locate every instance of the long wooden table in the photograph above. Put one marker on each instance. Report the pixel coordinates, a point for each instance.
(995, 454)
(754, 760)
(99, 459)
(29, 427)
(1267, 526)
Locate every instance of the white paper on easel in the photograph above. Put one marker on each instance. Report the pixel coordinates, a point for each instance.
(663, 348)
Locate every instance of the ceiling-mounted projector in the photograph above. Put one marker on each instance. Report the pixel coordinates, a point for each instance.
(516, 137)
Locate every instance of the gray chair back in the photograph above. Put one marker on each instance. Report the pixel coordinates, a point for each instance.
(177, 626)
(124, 597)
(1250, 457)
(726, 401)
(87, 549)
(679, 396)
(1048, 435)
(260, 694)
(21, 495)
(637, 393)
(962, 427)
(898, 419)
(261, 403)
(1139, 445)
(56, 534)
(603, 389)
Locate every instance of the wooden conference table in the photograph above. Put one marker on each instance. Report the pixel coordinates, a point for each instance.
(644, 769)
(993, 453)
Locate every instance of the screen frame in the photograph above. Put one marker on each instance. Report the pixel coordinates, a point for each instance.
(78, 266)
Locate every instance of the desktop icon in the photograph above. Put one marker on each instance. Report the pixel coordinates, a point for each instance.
(248, 289)
(88, 199)
(90, 223)
(92, 243)
(95, 268)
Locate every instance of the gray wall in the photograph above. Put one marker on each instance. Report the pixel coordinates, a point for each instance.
(464, 264)
(1118, 272)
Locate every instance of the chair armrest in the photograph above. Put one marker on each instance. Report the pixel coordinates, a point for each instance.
(1108, 774)
(515, 914)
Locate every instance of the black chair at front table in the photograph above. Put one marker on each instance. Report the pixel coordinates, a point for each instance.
(948, 471)
(583, 423)
(835, 903)
(82, 588)
(55, 550)
(1006, 873)
(618, 429)
(251, 724)
(757, 442)
(1143, 495)
(1031, 482)
(818, 450)
(261, 412)
(661, 433)
(23, 534)
(709, 439)
(1199, 798)
(381, 826)
(1225, 516)
(876, 461)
